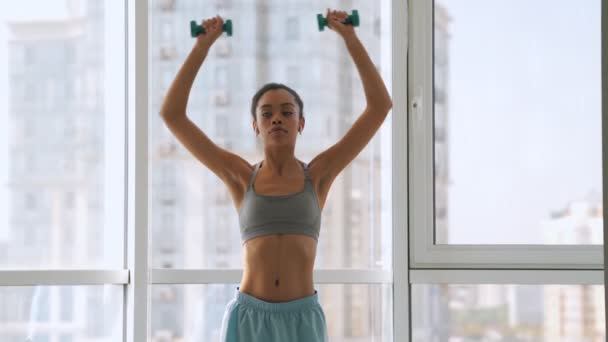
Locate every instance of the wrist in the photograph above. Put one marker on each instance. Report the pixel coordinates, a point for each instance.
(350, 37)
(202, 47)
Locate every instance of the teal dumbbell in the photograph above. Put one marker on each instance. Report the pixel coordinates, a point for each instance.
(195, 29)
(352, 19)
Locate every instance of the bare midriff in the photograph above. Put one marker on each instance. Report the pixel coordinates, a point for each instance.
(279, 267)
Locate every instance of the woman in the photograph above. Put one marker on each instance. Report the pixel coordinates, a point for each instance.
(279, 200)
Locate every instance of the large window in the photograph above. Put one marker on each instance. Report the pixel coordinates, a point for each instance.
(53, 165)
(192, 219)
(506, 217)
(507, 159)
(59, 197)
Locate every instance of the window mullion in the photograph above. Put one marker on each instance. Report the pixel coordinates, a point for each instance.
(399, 147)
(538, 277)
(137, 303)
(62, 277)
(604, 86)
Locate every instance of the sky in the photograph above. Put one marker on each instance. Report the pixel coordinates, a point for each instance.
(524, 115)
(524, 112)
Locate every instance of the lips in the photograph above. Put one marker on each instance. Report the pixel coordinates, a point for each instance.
(274, 130)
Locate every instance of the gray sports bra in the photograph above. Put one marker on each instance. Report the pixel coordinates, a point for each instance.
(295, 213)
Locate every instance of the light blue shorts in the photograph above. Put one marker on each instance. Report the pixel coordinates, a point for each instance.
(249, 319)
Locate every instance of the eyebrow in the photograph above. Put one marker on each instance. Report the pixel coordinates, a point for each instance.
(282, 104)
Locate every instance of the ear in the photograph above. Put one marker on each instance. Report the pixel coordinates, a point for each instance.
(302, 122)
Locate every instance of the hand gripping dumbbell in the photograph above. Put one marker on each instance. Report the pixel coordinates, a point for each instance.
(195, 29)
(352, 19)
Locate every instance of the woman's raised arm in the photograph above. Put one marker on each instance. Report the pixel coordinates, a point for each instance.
(174, 103)
(225, 164)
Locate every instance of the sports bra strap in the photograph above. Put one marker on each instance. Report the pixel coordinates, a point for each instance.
(257, 168)
(255, 173)
(306, 173)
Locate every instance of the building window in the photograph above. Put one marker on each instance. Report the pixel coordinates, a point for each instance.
(31, 91)
(223, 48)
(69, 200)
(221, 76)
(29, 55)
(167, 53)
(292, 29)
(67, 301)
(221, 98)
(30, 201)
(69, 130)
(222, 4)
(69, 54)
(167, 5)
(166, 31)
(221, 128)
(293, 75)
(65, 338)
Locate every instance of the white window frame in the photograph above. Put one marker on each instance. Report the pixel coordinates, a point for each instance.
(480, 264)
(131, 259)
(425, 253)
(227, 276)
(137, 297)
(604, 36)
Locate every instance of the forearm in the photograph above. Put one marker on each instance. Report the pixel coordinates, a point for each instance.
(376, 94)
(176, 99)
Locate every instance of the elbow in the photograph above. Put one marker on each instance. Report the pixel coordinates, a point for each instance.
(168, 110)
(163, 112)
(388, 100)
(383, 106)
(170, 115)
(389, 105)
(163, 115)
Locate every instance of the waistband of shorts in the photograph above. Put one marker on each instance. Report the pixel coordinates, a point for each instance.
(290, 306)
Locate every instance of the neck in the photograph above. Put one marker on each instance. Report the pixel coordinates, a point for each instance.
(280, 163)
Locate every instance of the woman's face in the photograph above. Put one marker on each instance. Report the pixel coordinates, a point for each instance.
(277, 109)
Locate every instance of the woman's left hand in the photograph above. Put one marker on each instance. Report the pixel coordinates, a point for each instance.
(335, 21)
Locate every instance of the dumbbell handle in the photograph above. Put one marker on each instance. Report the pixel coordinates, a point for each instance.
(352, 19)
(195, 29)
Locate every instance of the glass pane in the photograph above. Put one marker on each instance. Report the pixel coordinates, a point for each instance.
(52, 134)
(61, 313)
(454, 312)
(194, 312)
(517, 122)
(193, 219)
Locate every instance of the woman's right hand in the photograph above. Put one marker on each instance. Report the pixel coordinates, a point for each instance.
(213, 29)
